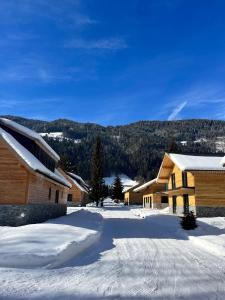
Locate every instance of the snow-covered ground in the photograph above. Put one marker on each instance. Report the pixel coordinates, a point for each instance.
(140, 255)
(50, 243)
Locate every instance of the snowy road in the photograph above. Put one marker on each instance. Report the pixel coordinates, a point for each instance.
(135, 259)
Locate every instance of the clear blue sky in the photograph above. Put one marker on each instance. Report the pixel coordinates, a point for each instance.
(112, 61)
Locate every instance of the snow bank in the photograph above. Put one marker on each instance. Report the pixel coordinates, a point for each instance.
(49, 244)
(209, 235)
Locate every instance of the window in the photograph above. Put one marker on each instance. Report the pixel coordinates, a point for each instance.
(173, 181)
(70, 198)
(49, 193)
(164, 199)
(184, 179)
(186, 204)
(57, 196)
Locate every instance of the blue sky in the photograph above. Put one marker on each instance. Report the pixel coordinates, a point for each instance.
(112, 61)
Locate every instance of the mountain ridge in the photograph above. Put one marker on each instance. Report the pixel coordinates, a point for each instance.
(134, 149)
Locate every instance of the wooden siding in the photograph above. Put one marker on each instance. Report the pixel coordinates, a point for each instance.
(210, 189)
(133, 198)
(180, 201)
(178, 178)
(156, 200)
(38, 190)
(13, 177)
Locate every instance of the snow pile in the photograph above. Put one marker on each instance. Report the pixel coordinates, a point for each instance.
(210, 235)
(144, 212)
(51, 243)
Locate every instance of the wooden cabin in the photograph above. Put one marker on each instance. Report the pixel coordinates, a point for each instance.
(131, 197)
(31, 187)
(79, 191)
(153, 194)
(195, 183)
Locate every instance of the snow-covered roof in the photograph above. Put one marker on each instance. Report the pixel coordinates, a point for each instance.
(30, 160)
(30, 134)
(145, 185)
(131, 188)
(79, 182)
(191, 162)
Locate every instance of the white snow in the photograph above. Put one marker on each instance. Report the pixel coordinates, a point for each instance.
(136, 257)
(50, 243)
(31, 134)
(191, 162)
(59, 136)
(30, 160)
(145, 185)
(76, 179)
(127, 182)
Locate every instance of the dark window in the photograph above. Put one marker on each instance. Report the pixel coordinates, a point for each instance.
(57, 196)
(184, 179)
(49, 193)
(164, 199)
(174, 204)
(186, 204)
(70, 198)
(173, 181)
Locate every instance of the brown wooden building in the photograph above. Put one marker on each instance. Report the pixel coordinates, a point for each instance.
(31, 187)
(153, 194)
(131, 197)
(79, 191)
(195, 183)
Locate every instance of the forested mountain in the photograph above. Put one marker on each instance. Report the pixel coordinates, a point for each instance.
(135, 149)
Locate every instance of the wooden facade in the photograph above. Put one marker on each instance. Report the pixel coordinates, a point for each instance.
(133, 198)
(199, 190)
(24, 180)
(78, 194)
(154, 196)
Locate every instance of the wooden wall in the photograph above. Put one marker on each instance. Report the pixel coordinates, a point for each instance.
(133, 198)
(38, 190)
(13, 177)
(210, 189)
(178, 178)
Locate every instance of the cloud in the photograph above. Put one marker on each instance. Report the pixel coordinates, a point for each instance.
(105, 44)
(177, 110)
(64, 12)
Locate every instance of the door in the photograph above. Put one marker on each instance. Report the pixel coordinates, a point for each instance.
(174, 204)
(150, 199)
(186, 204)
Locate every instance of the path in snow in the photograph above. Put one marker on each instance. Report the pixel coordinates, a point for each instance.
(135, 259)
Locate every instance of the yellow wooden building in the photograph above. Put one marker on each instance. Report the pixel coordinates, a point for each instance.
(153, 194)
(195, 183)
(79, 192)
(31, 187)
(131, 197)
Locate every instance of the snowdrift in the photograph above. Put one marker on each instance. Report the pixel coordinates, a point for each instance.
(49, 244)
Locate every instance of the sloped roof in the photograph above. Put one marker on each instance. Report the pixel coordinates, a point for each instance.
(30, 160)
(79, 182)
(145, 185)
(30, 134)
(191, 162)
(129, 189)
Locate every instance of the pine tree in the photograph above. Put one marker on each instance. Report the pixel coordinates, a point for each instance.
(97, 172)
(117, 192)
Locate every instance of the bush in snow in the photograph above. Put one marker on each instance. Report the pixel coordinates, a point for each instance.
(188, 222)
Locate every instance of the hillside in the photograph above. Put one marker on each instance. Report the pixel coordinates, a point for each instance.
(135, 149)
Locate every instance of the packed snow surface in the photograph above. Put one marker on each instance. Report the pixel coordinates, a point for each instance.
(137, 257)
